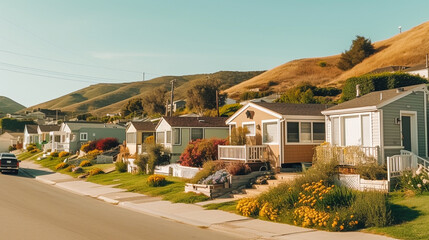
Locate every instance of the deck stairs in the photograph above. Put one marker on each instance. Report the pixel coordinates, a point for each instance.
(257, 189)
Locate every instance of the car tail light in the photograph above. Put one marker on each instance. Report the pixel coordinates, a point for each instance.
(17, 163)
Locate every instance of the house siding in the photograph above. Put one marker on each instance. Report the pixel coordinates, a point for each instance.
(216, 133)
(299, 153)
(392, 134)
(375, 128)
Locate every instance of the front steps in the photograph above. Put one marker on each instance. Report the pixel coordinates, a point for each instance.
(257, 189)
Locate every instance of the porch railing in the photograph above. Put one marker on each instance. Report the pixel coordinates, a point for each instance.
(407, 161)
(246, 153)
(55, 146)
(350, 155)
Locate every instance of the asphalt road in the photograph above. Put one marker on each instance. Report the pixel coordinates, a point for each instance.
(32, 210)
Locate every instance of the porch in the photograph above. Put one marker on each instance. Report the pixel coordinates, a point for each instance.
(350, 155)
(56, 146)
(246, 153)
(406, 161)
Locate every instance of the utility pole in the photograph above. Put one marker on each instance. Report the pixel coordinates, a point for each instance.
(172, 96)
(166, 108)
(217, 102)
(143, 76)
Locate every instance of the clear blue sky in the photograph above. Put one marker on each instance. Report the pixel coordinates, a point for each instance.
(102, 37)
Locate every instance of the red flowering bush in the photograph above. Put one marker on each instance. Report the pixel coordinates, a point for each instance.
(106, 144)
(200, 151)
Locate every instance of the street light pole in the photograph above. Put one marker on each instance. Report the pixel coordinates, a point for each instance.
(172, 96)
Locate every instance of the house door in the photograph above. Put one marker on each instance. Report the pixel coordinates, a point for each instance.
(406, 132)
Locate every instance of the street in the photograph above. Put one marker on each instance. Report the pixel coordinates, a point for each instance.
(32, 210)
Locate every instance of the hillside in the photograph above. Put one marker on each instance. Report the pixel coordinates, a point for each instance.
(101, 99)
(406, 49)
(7, 105)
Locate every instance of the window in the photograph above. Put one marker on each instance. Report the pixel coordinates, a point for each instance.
(293, 131)
(250, 127)
(318, 132)
(176, 136)
(168, 137)
(196, 133)
(84, 136)
(366, 131)
(335, 126)
(270, 132)
(57, 138)
(131, 137)
(160, 137)
(306, 132)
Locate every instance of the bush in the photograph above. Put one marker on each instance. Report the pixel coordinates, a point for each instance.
(238, 136)
(200, 151)
(156, 180)
(121, 166)
(378, 81)
(417, 182)
(61, 166)
(78, 170)
(12, 148)
(85, 163)
(95, 171)
(70, 168)
(372, 209)
(248, 207)
(93, 154)
(31, 147)
(141, 161)
(371, 170)
(360, 49)
(85, 147)
(54, 154)
(107, 144)
(156, 157)
(63, 154)
(149, 140)
(322, 64)
(238, 168)
(34, 150)
(209, 168)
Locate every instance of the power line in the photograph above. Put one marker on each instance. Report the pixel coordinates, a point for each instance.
(60, 73)
(40, 75)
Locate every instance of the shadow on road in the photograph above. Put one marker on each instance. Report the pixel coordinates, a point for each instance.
(31, 173)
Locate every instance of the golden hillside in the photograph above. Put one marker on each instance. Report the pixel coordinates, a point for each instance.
(406, 49)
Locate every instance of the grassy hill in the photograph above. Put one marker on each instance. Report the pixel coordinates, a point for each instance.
(103, 98)
(406, 49)
(7, 105)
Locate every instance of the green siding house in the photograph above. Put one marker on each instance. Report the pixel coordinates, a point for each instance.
(383, 123)
(175, 133)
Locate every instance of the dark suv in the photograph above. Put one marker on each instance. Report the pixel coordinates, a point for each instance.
(8, 162)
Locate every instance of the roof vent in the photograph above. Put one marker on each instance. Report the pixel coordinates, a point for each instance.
(381, 96)
(357, 90)
(201, 120)
(398, 90)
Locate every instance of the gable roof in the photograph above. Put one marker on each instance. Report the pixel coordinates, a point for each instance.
(74, 126)
(144, 126)
(49, 128)
(31, 129)
(295, 108)
(376, 99)
(200, 122)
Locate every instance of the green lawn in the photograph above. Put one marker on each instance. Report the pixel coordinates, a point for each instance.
(226, 206)
(411, 217)
(173, 191)
(28, 156)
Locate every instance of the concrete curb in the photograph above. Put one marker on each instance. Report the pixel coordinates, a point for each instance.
(42, 180)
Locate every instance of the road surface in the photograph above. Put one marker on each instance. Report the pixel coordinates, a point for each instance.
(33, 210)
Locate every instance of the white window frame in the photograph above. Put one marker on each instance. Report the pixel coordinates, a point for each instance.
(312, 142)
(173, 137)
(254, 128)
(341, 127)
(190, 133)
(278, 131)
(83, 134)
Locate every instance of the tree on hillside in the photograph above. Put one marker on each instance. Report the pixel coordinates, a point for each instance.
(202, 96)
(154, 102)
(134, 105)
(360, 49)
(307, 93)
(378, 81)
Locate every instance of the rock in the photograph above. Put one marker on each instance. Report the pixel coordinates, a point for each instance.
(77, 170)
(83, 175)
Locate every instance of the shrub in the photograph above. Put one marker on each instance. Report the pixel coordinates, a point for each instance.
(121, 166)
(31, 147)
(95, 171)
(107, 144)
(268, 212)
(70, 168)
(372, 209)
(85, 147)
(238, 168)
(54, 154)
(85, 163)
(93, 154)
(12, 148)
(156, 157)
(417, 182)
(218, 177)
(209, 168)
(200, 151)
(63, 154)
(156, 180)
(34, 150)
(238, 136)
(371, 170)
(61, 166)
(322, 64)
(149, 140)
(248, 207)
(141, 161)
(282, 197)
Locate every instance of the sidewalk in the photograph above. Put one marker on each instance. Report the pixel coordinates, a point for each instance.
(192, 214)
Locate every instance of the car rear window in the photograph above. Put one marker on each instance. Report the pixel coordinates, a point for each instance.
(8, 155)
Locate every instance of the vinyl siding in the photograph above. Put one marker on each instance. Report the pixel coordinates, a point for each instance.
(392, 134)
(375, 118)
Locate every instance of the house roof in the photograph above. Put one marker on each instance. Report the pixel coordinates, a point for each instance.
(32, 129)
(196, 121)
(376, 99)
(416, 67)
(144, 126)
(389, 69)
(294, 108)
(74, 126)
(49, 128)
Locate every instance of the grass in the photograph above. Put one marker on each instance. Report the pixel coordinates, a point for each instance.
(29, 156)
(411, 217)
(225, 206)
(173, 191)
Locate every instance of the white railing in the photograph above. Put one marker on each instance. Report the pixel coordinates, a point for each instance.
(407, 161)
(55, 146)
(244, 153)
(350, 155)
(417, 160)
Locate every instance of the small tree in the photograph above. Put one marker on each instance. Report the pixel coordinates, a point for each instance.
(360, 49)
(200, 151)
(154, 101)
(238, 136)
(202, 96)
(134, 105)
